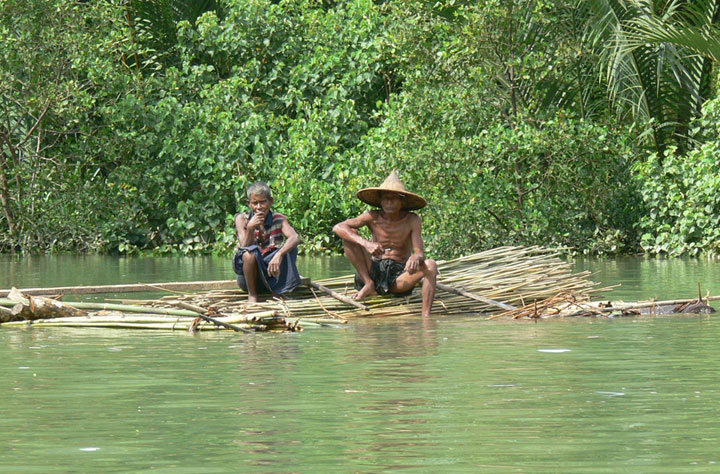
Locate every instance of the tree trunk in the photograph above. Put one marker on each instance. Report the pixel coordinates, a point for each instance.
(5, 195)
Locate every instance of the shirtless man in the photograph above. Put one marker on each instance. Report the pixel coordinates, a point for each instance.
(394, 261)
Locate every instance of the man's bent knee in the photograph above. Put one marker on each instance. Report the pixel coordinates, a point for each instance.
(431, 266)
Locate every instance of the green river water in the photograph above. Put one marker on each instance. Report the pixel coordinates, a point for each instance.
(453, 394)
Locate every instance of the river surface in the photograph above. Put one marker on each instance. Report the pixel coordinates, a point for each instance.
(453, 394)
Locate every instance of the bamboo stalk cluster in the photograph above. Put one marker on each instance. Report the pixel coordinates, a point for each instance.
(501, 277)
(511, 275)
(111, 315)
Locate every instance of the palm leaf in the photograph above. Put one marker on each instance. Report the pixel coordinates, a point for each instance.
(703, 40)
(655, 57)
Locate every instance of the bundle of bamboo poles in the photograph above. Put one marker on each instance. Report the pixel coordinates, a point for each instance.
(82, 314)
(489, 282)
(483, 283)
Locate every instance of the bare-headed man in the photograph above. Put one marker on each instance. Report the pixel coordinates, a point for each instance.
(267, 247)
(394, 260)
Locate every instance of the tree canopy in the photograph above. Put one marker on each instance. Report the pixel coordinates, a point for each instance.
(136, 126)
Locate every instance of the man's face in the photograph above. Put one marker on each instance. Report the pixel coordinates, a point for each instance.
(260, 204)
(390, 201)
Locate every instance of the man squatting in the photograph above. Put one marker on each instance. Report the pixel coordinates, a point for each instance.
(394, 260)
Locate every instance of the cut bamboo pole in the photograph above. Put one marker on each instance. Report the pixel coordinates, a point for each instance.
(6, 314)
(318, 320)
(142, 321)
(191, 307)
(647, 304)
(128, 288)
(116, 307)
(475, 297)
(133, 309)
(337, 295)
(234, 327)
(202, 313)
(641, 304)
(129, 301)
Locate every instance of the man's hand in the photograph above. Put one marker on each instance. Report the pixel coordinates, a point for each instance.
(256, 221)
(274, 266)
(414, 263)
(375, 249)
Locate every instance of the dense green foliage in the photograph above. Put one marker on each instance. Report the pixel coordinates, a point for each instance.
(682, 194)
(487, 137)
(51, 71)
(657, 60)
(136, 126)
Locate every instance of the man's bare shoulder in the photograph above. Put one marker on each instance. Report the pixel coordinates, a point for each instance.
(413, 217)
(241, 218)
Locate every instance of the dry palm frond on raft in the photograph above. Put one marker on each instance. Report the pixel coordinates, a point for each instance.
(487, 283)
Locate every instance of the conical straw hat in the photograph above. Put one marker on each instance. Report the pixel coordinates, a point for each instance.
(411, 201)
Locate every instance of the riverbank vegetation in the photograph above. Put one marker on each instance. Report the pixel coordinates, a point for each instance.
(135, 126)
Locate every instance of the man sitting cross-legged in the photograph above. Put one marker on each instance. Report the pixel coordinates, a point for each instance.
(394, 261)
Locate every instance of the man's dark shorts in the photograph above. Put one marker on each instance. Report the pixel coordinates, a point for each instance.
(383, 273)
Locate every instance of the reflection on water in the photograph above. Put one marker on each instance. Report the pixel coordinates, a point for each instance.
(449, 394)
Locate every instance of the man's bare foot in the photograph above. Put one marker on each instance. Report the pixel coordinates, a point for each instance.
(252, 299)
(365, 291)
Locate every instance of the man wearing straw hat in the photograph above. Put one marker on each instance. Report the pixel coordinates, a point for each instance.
(394, 261)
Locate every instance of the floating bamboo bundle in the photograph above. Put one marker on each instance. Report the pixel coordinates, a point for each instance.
(482, 283)
(40, 311)
(489, 282)
(134, 317)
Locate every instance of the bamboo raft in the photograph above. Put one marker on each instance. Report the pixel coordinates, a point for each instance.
(512, 282)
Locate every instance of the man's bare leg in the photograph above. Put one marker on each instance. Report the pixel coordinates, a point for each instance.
(429, 284)
(360, 259)
(406, 282)
(250, 271)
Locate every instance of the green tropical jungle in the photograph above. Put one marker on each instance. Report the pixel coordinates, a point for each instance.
(131, 126)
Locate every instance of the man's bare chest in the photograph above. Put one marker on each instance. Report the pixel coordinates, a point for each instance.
(394, 231)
